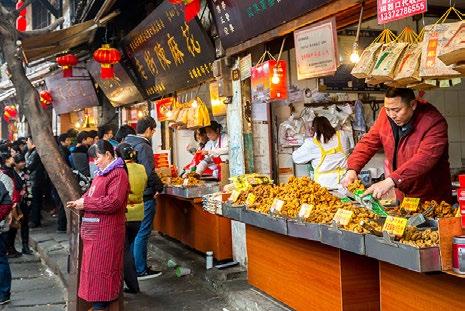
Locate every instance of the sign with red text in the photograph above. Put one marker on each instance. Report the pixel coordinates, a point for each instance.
(392, 10)
(316, 50)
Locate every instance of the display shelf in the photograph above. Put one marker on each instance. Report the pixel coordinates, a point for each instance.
(343, 239)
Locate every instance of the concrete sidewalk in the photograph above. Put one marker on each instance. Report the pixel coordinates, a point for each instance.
(201, 290)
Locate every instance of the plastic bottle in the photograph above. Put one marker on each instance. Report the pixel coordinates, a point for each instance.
(209, 260)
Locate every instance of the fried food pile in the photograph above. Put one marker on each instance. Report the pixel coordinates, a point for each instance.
(247, 181)
(356, 185)
(192, 181)
(420, 238)
(431, 209)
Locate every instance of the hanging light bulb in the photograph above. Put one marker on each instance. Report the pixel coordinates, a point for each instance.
(355, 57)
(140, 114)
(275, 79)
(77, 125)
(169, 114)
(194, 103)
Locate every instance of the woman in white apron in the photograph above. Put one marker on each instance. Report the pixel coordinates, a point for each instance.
(327, 152)
(216, 150)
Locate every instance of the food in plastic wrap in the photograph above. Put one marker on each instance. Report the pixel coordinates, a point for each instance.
(307, 116)
(290, 132)
(359, 123)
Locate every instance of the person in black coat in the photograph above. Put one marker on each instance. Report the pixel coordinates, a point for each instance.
(37, 178)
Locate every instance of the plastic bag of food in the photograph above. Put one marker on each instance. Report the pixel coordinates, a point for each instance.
(289, 132)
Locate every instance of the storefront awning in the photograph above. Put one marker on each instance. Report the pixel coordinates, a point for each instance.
(48, 44)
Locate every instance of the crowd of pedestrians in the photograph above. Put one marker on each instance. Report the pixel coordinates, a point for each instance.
(119, 187)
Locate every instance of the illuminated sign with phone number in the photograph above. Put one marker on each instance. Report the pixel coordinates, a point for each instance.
(391, 10)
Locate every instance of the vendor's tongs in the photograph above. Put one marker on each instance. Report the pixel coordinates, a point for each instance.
(419, 218)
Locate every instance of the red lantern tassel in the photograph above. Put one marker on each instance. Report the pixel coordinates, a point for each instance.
(67, 71)
(106, 71)
(191, 10)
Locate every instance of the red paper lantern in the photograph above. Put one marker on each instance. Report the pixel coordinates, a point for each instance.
(19, 4)
(107, 57)
(9, 113)
(21, 23)
(191, 8)
(45, 98)
(66, 62)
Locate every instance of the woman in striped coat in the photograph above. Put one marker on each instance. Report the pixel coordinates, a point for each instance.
(103, 229)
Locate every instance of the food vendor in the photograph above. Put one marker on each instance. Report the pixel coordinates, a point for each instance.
(326, 151)
(413, 134)
(201, 139)
(215, 151)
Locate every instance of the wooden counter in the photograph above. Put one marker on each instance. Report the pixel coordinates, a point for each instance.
(186, 221)
(402, 289)
(308, 275)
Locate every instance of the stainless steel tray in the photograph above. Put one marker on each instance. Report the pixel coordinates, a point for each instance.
(232, 212)
(193, 192)
(343, 239)
(304, 230)
(402, 255)
(275, 224)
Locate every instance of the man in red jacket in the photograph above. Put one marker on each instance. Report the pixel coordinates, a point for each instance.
(413, 135)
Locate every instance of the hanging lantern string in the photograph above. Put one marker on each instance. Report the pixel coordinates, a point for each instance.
(281, 49)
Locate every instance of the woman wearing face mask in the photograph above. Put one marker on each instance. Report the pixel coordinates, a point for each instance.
(215, 151)
(103, 229)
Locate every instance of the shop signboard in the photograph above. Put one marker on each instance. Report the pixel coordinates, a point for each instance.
(120, 90)
(72, 94)
(316, 50)
(169, 54)
(240, 20)
(392, 10)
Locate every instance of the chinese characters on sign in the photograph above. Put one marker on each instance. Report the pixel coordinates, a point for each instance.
(391, 10)
(239, 20)
(169, 54)
(316, 50)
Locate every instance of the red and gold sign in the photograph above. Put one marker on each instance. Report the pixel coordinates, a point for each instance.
(107, 57)
(9, 113)
(164, 106)
(66, 62)
(45, 98)
(269, 80)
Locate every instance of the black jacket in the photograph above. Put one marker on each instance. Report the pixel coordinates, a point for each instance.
(80, 160)
(36, 168)
(145, 157)
(65, 153)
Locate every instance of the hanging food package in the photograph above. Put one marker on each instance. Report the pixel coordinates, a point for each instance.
(408, 68)
(290, 132)
(385, 65)
(453, 51)
(191, 114)
(436, 37)
(364, 67)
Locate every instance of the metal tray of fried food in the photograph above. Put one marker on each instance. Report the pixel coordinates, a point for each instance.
(194, 191)
(233, 211)
(343, 239)
(304, 230)
(275, 224)
(403, 255)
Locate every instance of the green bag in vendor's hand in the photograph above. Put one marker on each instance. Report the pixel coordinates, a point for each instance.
(369, 202)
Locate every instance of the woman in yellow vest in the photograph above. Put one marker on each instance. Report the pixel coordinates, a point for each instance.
(327, 152)
(134, 212)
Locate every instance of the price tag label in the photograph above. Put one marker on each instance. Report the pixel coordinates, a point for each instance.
(234, 196)
(305, 211)
(395, 225)
(410, 204)
(277, 206)
(250, 199)
(185, 183)
(343, 216)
